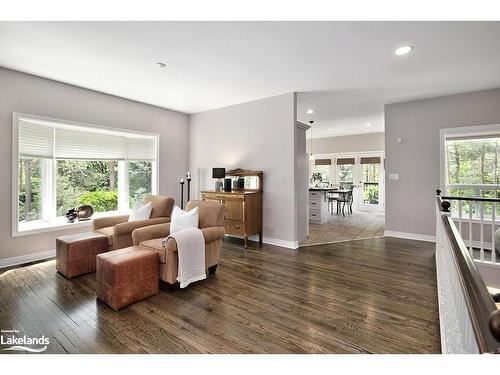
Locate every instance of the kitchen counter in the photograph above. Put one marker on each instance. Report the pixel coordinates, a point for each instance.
(318, 206)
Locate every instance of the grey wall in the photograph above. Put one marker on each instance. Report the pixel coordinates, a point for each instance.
(257, 135)
(347, 143)
(301, 184)
(29, 94)
(410, 200)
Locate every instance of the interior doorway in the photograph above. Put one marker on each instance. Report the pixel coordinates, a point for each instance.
(363, 174)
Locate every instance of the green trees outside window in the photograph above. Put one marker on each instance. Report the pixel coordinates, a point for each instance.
(472, 170)
(80, 182)
(30, 190)
(86, 182)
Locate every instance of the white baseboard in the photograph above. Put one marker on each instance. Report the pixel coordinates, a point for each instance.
(271, 241)
(15, 261)
(281, 243)
(410, 236)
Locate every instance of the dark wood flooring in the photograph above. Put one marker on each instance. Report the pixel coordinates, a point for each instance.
(366, 296)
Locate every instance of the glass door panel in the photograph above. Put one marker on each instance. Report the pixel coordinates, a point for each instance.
(345, 174)
(371, 184)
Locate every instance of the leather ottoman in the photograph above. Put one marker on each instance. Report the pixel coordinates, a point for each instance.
(127, 275)
(76, 254)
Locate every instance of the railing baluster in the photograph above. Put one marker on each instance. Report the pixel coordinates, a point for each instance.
(470, 229)
(481, 235)
(460, 216)
(493, 217)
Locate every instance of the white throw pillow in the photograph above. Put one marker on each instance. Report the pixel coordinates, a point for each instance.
(141, 213)
(183, 219)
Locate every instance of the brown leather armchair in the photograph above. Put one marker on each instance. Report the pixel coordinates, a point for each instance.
(211, 223)
(119, 230)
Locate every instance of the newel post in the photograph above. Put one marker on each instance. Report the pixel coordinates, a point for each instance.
(445, 206)
(494, 323)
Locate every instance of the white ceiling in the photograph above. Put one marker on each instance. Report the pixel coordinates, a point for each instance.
(345, 71)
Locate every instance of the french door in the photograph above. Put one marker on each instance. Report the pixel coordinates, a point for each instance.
(365, 172)
(371, 183)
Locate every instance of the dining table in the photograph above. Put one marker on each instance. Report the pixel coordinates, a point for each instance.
(330, 190)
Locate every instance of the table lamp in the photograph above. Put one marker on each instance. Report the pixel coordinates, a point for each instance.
(218, 173)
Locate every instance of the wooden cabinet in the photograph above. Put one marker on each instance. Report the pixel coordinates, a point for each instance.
(243, 216)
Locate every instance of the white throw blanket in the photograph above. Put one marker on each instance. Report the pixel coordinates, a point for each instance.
(191, 253)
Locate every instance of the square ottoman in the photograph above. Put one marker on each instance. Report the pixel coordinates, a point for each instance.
(126, 276)
(76, 254)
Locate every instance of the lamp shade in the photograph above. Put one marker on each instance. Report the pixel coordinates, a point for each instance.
(218, 172)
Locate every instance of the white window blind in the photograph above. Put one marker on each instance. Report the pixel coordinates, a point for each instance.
(71, 142)
(141, 149)
(74, 144)
(35, 141)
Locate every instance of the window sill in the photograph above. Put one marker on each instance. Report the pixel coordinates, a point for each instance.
(58, 224)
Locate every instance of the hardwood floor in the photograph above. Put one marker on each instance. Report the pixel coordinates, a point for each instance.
(366, 296)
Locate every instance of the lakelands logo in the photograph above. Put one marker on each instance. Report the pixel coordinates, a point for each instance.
(22, 343)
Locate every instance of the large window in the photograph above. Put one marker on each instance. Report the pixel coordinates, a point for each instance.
(471, 167)
(62, 165)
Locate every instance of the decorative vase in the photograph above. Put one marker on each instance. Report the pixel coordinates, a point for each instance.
(71, 215)
(85, 212)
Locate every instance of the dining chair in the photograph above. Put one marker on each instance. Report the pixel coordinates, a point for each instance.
(345, 198)
(332, 197)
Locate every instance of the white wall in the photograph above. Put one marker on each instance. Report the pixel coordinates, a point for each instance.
(347, 143)
(410, 201)
(257, 135)
(29, 94)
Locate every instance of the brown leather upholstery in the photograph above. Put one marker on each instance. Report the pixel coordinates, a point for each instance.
(155, 245)
(119, 230)
(108, 232)
(162, 206)
(126, 276)
(211, 214)
(76, 254)
(211, 223)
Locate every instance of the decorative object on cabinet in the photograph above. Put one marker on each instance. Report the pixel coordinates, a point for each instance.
(227, 185)
(219, 174)
(243, 207)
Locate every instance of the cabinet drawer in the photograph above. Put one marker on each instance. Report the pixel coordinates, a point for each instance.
(314, 204)
(314, 215)
(234, 210)
(210, 197)
(234, 227)
(314, 194)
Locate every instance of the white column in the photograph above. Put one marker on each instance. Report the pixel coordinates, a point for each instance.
(48, 188)
(123, 202)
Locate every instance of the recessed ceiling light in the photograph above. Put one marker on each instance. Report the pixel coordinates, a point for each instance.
(330, 129)
(368, 124)
(309, 111)
(403, 50)
(161, 65)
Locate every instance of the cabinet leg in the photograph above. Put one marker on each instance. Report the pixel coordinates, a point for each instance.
(260, 238)
(245, 243)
